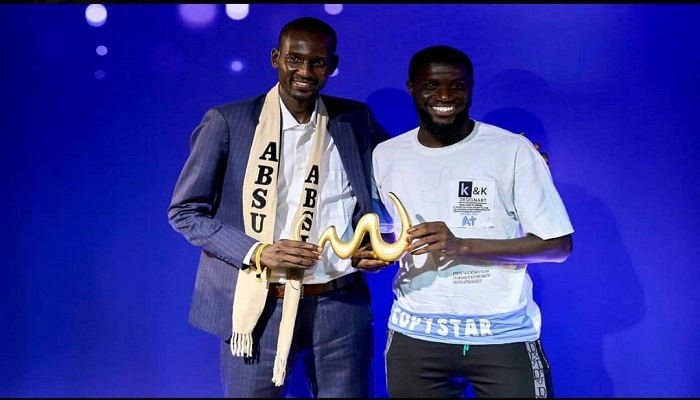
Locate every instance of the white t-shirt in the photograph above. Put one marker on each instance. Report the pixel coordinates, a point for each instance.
(494, 185)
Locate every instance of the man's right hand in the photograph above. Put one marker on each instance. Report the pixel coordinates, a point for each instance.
(287, 253)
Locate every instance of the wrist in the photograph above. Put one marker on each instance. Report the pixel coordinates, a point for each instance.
(464, 247)
(257, 260)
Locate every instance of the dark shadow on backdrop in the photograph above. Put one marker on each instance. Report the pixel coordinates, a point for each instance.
(571, 316)
(519, 121)
(394, 110)
(593, 294)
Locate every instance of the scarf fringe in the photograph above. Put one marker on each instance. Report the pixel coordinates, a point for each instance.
(279, 371)
(242, 344)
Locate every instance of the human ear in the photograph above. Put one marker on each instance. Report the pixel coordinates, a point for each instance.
(274, 57)
(334, 64)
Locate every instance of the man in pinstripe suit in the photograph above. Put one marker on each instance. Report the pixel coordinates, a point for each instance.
(333, 336)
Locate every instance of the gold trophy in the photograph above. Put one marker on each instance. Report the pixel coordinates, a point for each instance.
(369, 223)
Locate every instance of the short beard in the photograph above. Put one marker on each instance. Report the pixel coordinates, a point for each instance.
(444, 133)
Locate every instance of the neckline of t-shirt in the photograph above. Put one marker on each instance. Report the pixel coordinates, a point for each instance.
(447, 149)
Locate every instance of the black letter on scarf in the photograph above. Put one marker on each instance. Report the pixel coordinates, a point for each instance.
(259, 195)
(257, 217)
(270, 152)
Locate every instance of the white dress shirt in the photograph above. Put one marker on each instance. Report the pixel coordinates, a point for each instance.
(336, 200)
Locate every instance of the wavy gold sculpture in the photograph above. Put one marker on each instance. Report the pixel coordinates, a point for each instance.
(369, 223)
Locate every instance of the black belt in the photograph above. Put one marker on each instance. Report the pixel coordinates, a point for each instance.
(277, 289)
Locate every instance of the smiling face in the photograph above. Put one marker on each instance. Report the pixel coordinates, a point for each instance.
(442, 94)
(304, 61)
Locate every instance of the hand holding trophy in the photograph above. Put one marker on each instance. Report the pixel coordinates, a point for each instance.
(369, 223)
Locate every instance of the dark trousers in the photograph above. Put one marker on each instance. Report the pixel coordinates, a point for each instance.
(333, 339)
(419, 368)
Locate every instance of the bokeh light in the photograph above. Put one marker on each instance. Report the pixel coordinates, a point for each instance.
(236, 66)
(237, 11)
(101, 50)
(96, 15)
(99, 74)
(333, 9)
(197, 15)
(335, 73)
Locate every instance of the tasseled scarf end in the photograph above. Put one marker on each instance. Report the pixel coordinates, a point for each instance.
(242, 344)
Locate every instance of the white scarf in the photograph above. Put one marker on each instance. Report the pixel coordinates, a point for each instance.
(259, 207)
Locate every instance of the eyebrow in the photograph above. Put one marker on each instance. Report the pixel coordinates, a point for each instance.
(294, 53)
(462, 80)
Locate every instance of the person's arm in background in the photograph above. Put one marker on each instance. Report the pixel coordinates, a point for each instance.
(537, 147)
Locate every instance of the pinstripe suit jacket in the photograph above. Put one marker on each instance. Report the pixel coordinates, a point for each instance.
(206, 204)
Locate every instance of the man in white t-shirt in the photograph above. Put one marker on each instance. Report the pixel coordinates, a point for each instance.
(483, 206)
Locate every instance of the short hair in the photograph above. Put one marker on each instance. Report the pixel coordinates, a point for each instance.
(439, 54)
(312, 25)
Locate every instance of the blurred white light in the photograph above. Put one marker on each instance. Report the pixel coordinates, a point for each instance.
(237, 11)
(335, 73)
(101, 50)
(236, 66)
(99, 74)
(333, 9)
(96, 14)
(197, 15)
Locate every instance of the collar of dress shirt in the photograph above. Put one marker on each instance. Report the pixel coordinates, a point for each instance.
(288, 120)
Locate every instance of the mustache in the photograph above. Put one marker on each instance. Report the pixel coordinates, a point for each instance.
(304, 80)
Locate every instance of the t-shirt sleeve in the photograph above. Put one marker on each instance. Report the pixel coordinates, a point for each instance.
(538, 204)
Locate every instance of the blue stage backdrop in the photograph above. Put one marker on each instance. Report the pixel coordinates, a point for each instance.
(98, 103)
